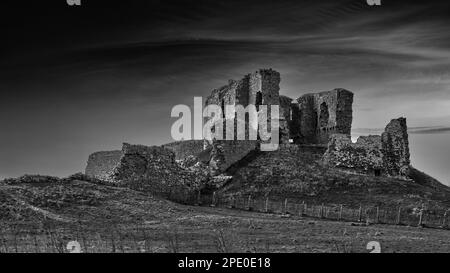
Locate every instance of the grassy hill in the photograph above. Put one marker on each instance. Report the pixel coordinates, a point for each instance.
(299, 174)
(43, 214)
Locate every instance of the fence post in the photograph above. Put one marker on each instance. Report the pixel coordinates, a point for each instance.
(321, 211)
(399, 214)
(285, 206)
(305, 209)
(266, 205)
(377, 218)
(199, 201)
(340, 213)
(186, 196)
(360, 213)
(213, 202)
(421, 217)
(230, 202)
(444, 221)
(300, 211)
(249, 207)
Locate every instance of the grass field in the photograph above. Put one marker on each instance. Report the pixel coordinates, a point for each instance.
(205, 229)
(42, 214)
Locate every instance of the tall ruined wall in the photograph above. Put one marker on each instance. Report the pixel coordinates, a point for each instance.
(264, 87)
(308, 120)
(235, 92)
(396, 147)
(259, 88)
(344, 111)
(387, 154)
(322, 114)
(285, 119)
(285, 107)
(183, 149)
(101, 164)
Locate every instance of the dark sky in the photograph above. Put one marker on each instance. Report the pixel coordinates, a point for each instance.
(75, 80)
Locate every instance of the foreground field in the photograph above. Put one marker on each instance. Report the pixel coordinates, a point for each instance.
(62, 215)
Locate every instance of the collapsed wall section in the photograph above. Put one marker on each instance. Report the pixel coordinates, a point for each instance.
(101, 164)
(141, 167)
(364, 156)
(184, 149)
(387, 154)
(143, 163)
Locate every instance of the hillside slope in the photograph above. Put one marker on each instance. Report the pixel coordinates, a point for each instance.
(298, 173)
(35, 198)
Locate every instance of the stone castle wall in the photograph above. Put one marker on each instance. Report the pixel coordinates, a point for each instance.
(313, 120)
(184, 149)
(396, 147)
(140, 162)
(141, 167)
(318, 116)
(101, 164)
(387, 154)
(258, 88)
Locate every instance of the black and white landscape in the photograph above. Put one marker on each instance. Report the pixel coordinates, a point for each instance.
(89, 163)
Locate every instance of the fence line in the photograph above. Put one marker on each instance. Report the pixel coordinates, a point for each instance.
(364, 215)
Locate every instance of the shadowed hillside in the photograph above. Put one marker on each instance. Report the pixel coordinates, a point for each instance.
(298, 173)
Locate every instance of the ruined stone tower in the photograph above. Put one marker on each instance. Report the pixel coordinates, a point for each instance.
(311, 119)
(315, 117)
(395, 147)
(258, 88)
(315, 121)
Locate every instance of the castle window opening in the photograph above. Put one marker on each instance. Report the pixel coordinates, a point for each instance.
(258, 99)
(324, 115)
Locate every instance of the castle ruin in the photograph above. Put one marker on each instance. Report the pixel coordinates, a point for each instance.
(387, 154)
(310, 119)
(322, 120)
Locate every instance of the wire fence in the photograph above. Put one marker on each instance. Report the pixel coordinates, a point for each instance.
(363, 214)
(51, 236)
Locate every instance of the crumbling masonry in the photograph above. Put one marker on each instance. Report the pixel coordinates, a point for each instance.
(387, 154)
(322, 120)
